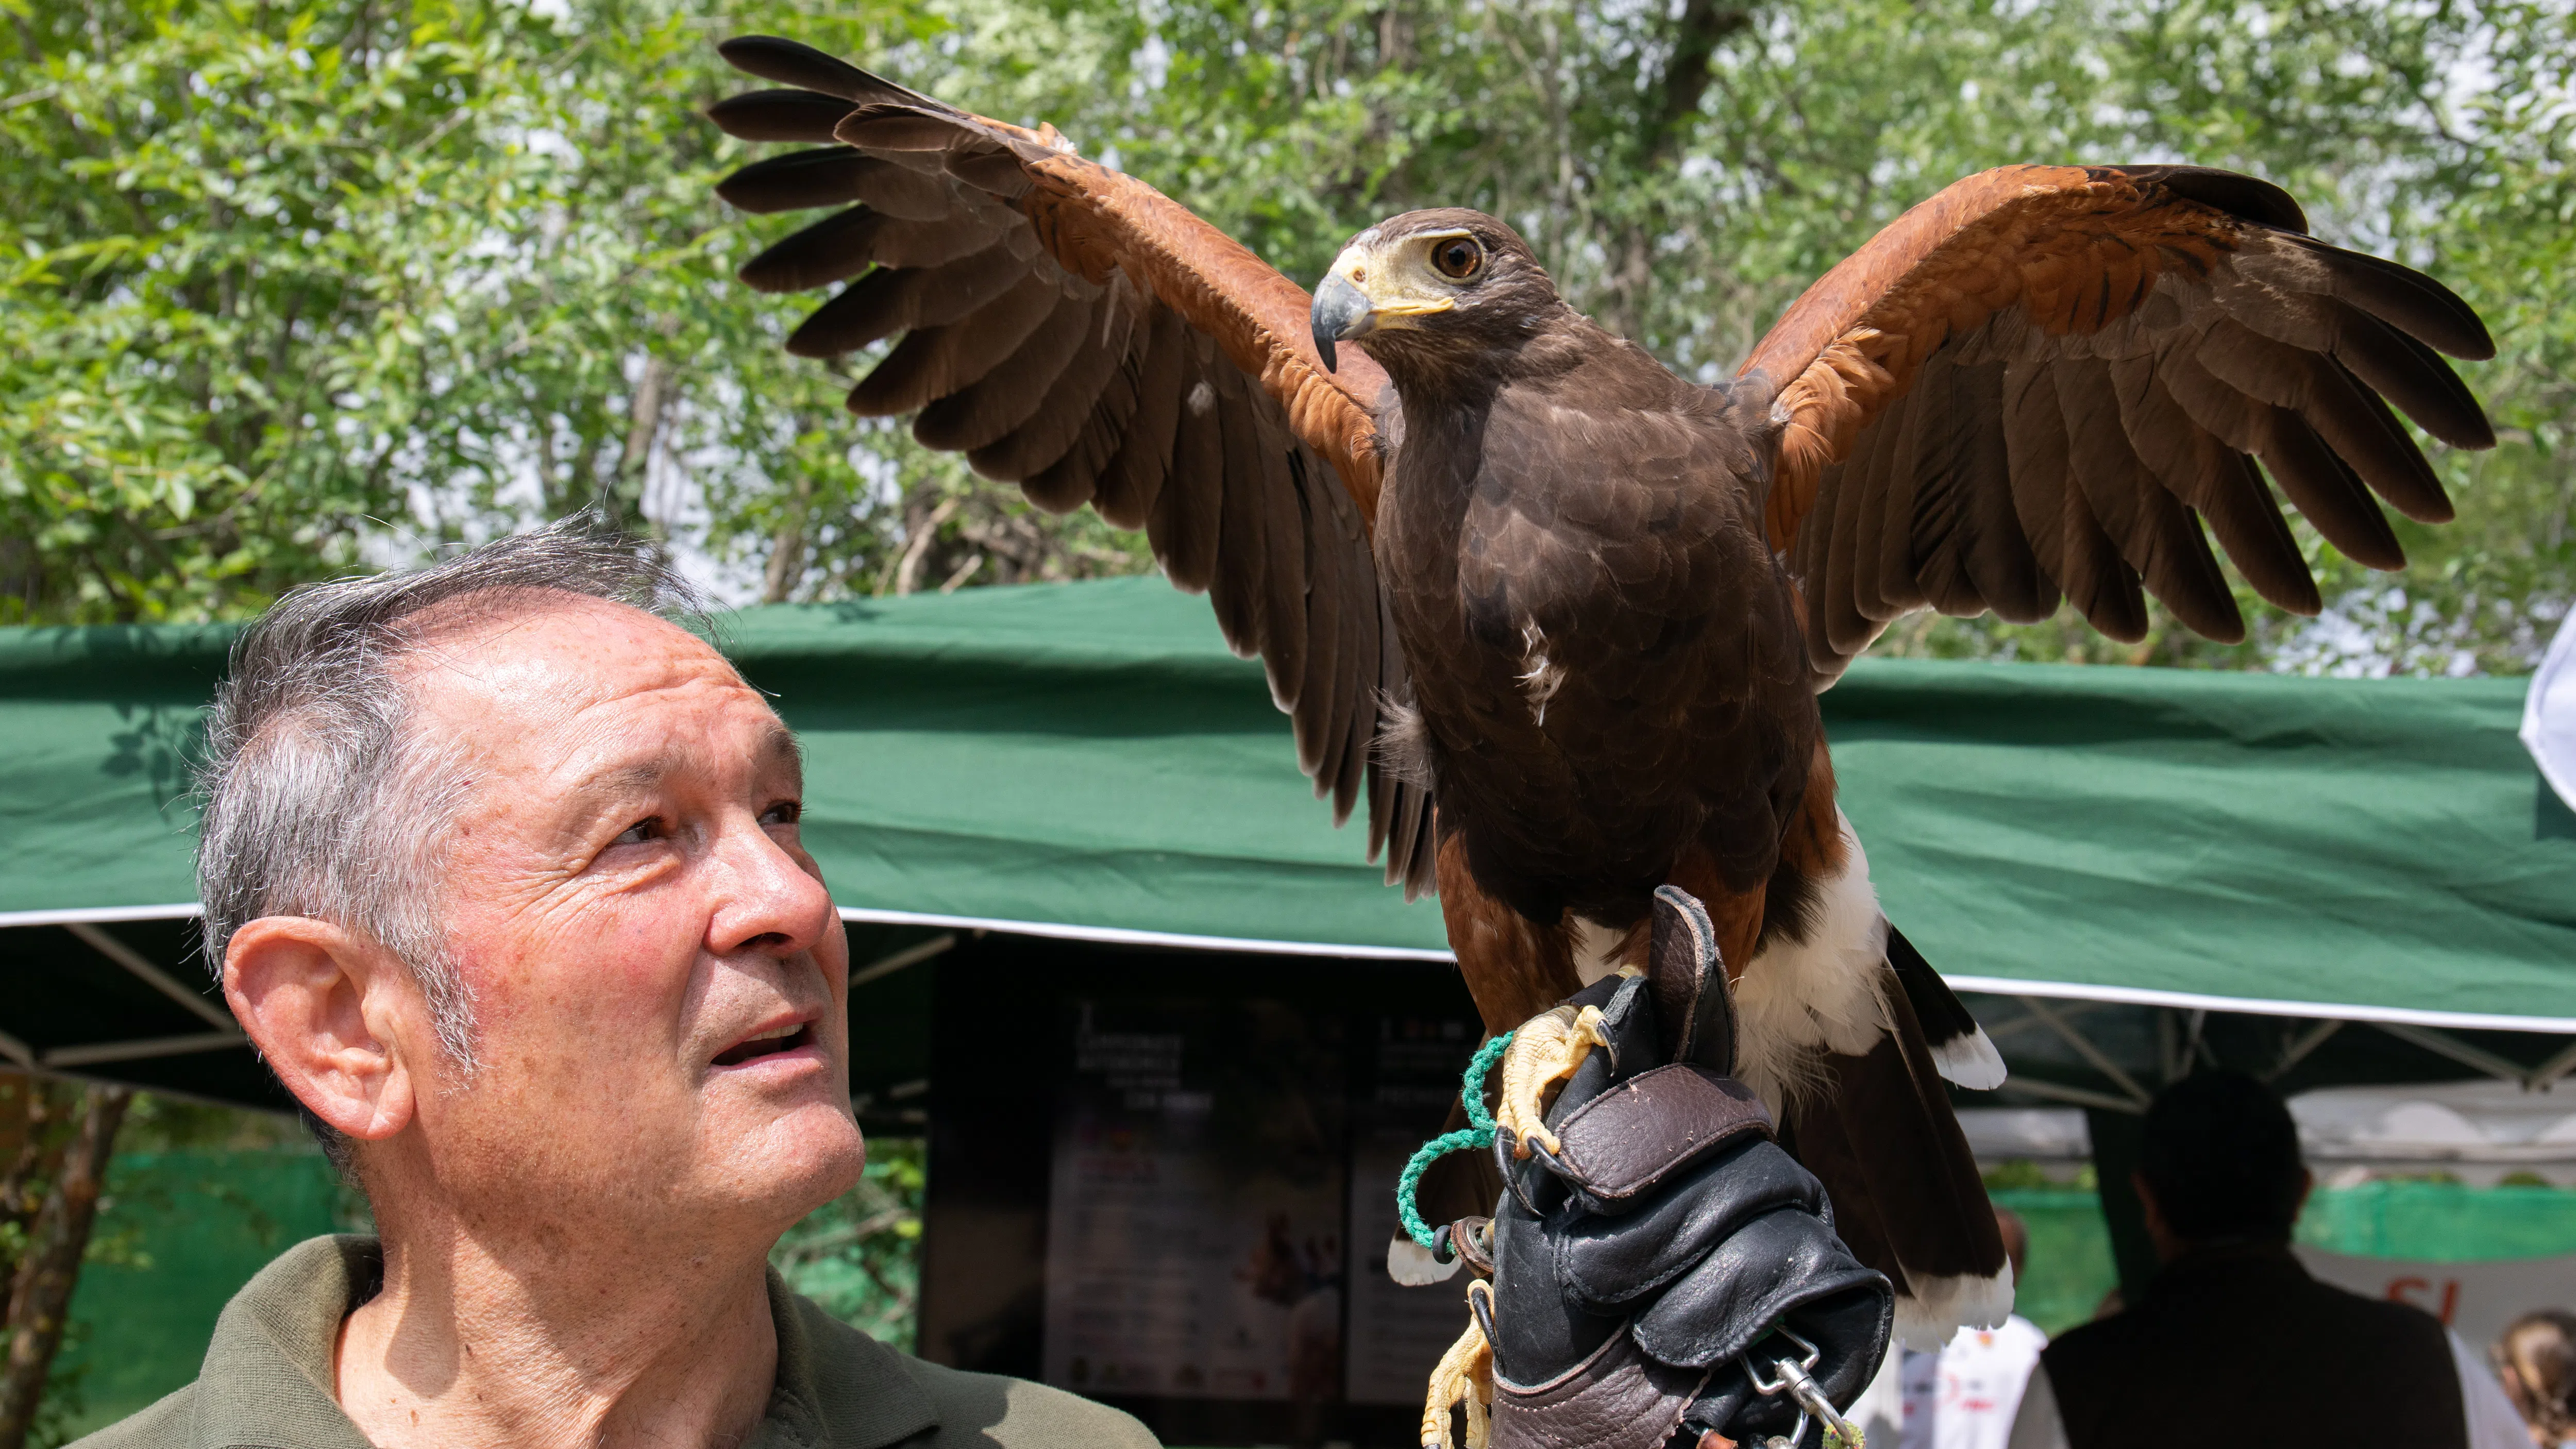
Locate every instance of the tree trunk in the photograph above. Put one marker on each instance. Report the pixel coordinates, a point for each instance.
(916, 549)
(625, 490)
(41, 1296)
(787, 548)
(18, 1198)
(1702, 26)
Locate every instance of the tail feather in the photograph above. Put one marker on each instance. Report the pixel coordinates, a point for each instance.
(1960, 1048)
(1906, 1192)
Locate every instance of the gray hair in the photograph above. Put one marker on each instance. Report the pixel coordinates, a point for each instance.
(318, 798)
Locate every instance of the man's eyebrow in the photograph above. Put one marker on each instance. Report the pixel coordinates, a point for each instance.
(641, 778)
(779, 746)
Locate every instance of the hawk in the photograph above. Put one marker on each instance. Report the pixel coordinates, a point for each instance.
(1559, 616)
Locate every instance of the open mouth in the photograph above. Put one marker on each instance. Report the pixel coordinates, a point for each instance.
(769, 1044)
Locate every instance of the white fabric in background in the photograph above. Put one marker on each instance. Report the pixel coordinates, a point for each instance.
(1960, 1398)
(2474, 1300)
(1978, 1386)
(2549, 713)
(2493, 1421)
(2037, 1424)
(1879, 1412)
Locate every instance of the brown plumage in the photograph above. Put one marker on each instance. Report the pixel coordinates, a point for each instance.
(1496, 558)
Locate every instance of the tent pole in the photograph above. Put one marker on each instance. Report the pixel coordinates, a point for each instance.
(2085, 1048)
(2442, 1043)
(908, 956)
(2550, 1071)
(96, 1053)
(2078, 1096)
(2308, 1041)
(160, 980)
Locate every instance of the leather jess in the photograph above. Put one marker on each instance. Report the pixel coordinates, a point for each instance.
(1636, 1267)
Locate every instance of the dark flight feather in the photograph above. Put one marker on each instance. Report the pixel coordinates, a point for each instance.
(2407, 299)
(2413, 377)
(779, 116)
(1284, 578)
(1004, 395)
(932, 362)
(1238, 590)
(1188, 511)
(2320, 486)
(1881, 511)
(1068, 474)
(1132, 480)
(791, 63)
(891, 300)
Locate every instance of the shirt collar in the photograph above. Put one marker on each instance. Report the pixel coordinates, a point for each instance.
(267, 1379)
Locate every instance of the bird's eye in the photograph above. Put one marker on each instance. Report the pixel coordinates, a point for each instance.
(1458, 257)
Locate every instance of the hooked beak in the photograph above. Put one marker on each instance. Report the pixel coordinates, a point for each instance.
(1341, 312)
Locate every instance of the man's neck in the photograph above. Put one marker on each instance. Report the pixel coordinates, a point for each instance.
(538, 1342)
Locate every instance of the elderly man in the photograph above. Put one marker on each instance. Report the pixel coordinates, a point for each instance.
(502, 869)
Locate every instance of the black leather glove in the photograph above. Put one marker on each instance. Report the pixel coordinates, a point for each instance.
(1666, 1252)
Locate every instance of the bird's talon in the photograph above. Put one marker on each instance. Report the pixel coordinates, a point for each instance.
(1464, 1378)
(1544, 1052)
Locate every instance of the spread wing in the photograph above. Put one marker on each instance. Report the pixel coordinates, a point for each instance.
(2046, 380)
(1072, 330)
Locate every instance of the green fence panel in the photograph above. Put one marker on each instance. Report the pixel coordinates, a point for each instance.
(2441, 1222)
(2069, 1267)
(178, 1234)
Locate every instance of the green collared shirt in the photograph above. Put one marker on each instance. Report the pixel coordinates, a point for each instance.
(266, 1383)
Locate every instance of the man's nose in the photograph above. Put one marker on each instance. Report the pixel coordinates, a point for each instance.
(766, 900)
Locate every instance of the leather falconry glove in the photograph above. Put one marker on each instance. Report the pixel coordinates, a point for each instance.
(1666, 1271)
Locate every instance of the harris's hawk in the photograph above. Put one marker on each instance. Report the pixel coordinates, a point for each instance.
(1560, 616)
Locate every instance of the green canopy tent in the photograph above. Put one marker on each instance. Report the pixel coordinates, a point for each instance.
(1089, 761)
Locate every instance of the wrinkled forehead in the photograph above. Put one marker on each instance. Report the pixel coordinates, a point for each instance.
(546, 676)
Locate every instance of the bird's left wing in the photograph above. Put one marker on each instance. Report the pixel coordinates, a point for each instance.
(1073, 330)
(2045, 380)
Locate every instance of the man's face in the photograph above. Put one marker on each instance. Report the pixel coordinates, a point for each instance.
(657, 975)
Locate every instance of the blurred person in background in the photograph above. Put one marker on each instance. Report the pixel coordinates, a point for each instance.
(2232, 1340)
(2536, 1358)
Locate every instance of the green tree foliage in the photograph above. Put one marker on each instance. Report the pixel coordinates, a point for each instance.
(859, 1255)
(275, 270)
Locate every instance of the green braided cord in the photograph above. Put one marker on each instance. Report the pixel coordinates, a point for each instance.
(1479, 1133)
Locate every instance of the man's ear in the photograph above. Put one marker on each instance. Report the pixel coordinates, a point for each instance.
(2159, 1232)
(318, 1002)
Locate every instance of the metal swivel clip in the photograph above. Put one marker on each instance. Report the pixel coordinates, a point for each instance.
(1840, 1433)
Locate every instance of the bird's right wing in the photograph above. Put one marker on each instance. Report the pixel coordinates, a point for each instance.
(2045, 380)
(1073, 330)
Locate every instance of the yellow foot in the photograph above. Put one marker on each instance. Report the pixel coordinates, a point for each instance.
(1544, 1051)
(1465, 1377)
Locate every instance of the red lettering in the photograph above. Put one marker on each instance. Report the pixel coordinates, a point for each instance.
(2399, 1289)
